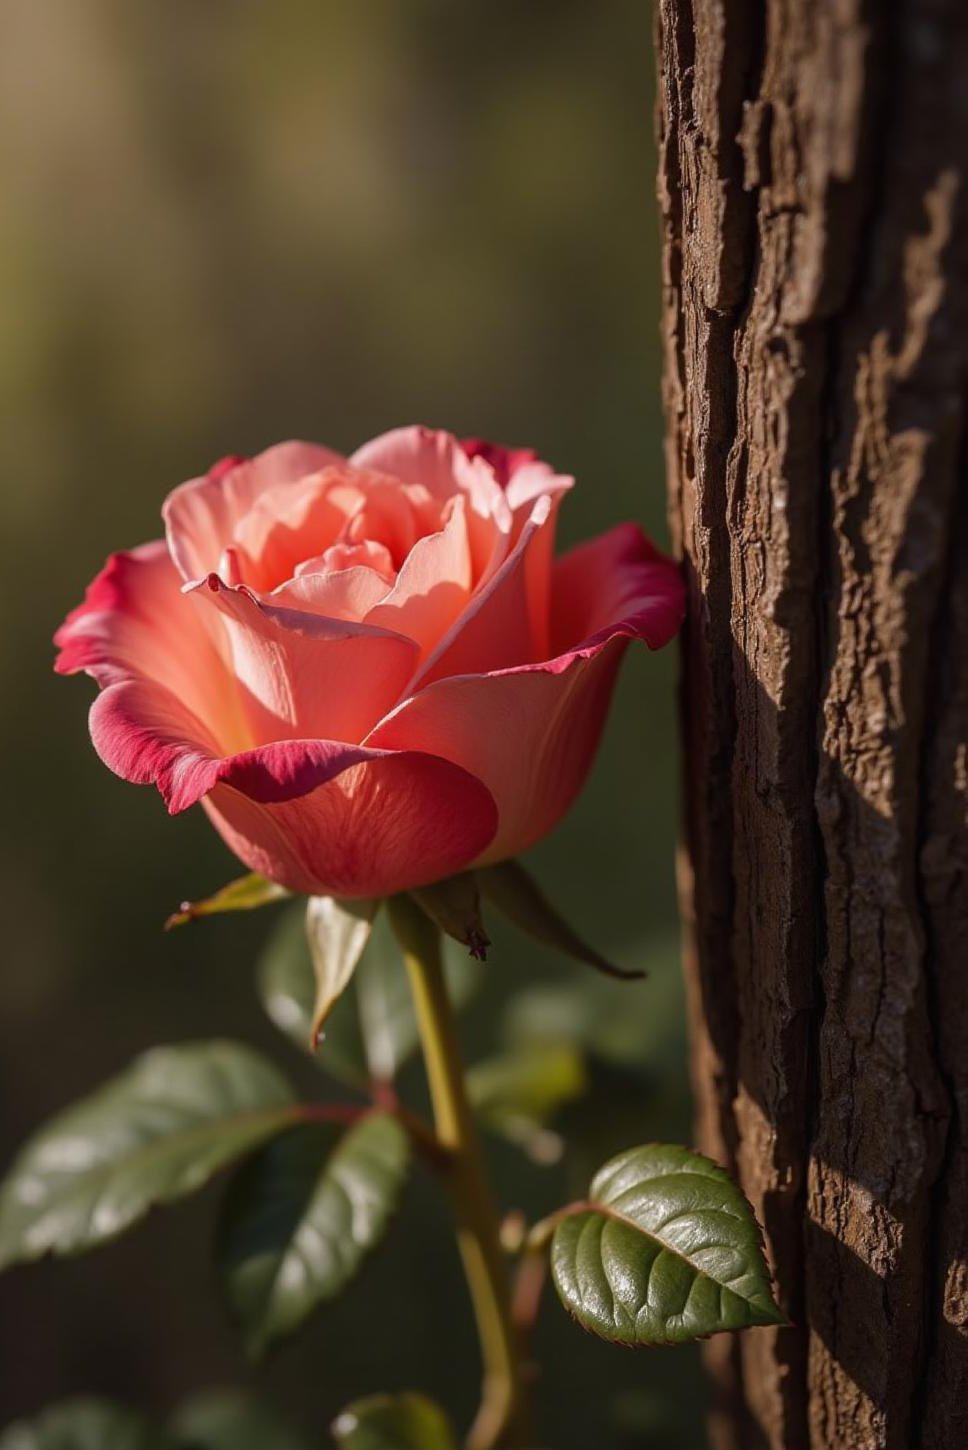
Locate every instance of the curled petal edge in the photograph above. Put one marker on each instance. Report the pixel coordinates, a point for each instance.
(652, 612)
(84, 639)
(144, 738)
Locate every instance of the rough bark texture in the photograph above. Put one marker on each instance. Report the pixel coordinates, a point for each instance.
(813, 181)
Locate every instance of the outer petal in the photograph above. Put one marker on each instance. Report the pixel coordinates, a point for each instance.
(519, 471)
(530, 733)
(620, 575)
(525, 479)
(201, 515)
(389, 823)
(301, 675)
(503, 624)
(136, 623)
(315, 815)
(504, 461)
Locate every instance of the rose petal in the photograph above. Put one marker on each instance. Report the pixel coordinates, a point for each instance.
(433, 585)
(503, 461)
(387, 824)
(618, 576)
(302, 675)
(368, 555)
(525, 478)
(396, 517)
(531, 481)
(136, 622)
(201, 515)
(347, 594)
(530, 733)
(495, 631)
(291, 521)
(519, 471)
(147, 735)
(315, 815)
(435, 459)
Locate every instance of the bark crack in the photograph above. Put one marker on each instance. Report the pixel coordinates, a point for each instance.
(814, 318)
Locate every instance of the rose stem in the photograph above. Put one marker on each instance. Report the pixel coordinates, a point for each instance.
(502, 1417)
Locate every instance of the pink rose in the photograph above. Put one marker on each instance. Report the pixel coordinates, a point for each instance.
(372, 672)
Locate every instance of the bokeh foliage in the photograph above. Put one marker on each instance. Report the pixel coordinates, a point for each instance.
(221, 224)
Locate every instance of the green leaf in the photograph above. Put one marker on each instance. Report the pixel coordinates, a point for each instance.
(337, 932)
(394, 1422)
(454, 906)
(155, 1133)
(517, 1093)
(232, 1420)
(371, 1031)
(300, 1218)
(518, 896)
(246, 894)
(666, 1250)
(85, 1424)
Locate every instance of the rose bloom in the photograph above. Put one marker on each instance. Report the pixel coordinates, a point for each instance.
(372, 672)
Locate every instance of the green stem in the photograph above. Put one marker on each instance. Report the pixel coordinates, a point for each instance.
(502, 1417)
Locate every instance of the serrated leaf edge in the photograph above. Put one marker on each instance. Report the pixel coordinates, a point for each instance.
(765, 1317)
(600, 1210)
(260, 1339)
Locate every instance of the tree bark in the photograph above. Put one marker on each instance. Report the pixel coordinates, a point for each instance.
(813, 167)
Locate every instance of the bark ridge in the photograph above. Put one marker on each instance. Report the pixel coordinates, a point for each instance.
(813, 166)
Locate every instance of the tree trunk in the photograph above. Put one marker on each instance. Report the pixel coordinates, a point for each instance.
(813, 174)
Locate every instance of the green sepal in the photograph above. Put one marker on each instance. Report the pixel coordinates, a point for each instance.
(394, 1422)
(156, 1133)
(665, 1250)
(247, 893)
(371, 1031)
(455, 906)
(517, 895)
(300, 1218)
(337, 932)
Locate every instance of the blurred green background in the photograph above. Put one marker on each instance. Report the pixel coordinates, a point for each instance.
(225, 223)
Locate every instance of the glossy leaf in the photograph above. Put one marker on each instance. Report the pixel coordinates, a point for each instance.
(337, 932)
(231, 1420)
(86, 1424)
(155, 1133)
(517, 895)
(394, 1422)
(454, 906)
(665, 1250)
(248, 893)
(301, 1217)
(371, 1031)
